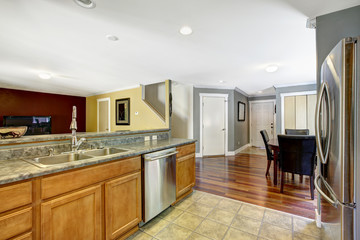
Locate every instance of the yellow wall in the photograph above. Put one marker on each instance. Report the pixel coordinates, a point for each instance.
(145, 120)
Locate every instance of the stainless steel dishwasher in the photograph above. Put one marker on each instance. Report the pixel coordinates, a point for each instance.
(159, 182)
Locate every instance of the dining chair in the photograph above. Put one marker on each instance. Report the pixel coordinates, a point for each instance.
(297, 131)
(269, 154)
(297, 155)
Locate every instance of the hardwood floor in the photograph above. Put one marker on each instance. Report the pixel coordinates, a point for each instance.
(242, 177)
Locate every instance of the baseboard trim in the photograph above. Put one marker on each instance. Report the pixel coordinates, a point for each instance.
(230, 153)
(242, 148)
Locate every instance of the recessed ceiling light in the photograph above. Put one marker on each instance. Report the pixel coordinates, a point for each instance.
(272, 68)
(221, 81)
(112, 37)
(85, 3)
(259, 91)
(185, 30)
(45, 75)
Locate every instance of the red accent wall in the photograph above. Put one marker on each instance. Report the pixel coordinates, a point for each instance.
(59, 107)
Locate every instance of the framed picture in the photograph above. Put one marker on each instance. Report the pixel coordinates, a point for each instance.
(122, 111)
(241, 111)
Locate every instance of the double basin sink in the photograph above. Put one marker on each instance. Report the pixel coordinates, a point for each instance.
(74, 156)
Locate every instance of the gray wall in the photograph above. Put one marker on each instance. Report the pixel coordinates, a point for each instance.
(333, 27)
(280, 90)
(241, 129)
(238, 132)
(259, 98)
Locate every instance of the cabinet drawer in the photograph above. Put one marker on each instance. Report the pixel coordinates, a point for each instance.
(185, 150)
(65, 182)
(15, 196)
(26, 236)
(15, 223)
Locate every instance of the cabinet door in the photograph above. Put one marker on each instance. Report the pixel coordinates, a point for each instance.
(122, 204)
(185, 174)
(73, 216)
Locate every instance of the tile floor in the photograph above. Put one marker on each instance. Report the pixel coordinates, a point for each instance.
(204, 216)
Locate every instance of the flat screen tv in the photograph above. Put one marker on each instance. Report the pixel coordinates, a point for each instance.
(37, 125)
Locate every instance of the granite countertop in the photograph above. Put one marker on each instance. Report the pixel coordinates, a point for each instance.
(17, 169)
(67, 136)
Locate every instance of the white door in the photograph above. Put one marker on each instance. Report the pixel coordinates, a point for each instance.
(103, 115)
(262, 117)
(213, 121)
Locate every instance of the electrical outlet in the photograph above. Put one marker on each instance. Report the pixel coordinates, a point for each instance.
(147, 138)
(154, 137)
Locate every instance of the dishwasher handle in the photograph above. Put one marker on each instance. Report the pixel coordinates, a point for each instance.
(161, 156)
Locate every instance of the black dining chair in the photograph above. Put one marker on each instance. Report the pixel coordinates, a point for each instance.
(297, 131)
(297, 155)
(269, 154)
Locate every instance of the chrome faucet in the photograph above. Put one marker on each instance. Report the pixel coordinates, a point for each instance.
(75, 144)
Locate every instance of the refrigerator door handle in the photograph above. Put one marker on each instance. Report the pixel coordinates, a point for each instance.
(332, 200)
(323, 157)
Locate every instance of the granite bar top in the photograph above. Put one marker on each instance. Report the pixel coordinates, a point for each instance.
(67, 136)
(17, 169)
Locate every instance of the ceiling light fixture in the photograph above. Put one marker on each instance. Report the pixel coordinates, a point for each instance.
(272, 68)
(45, 75)
(186, 30)
(259, 91)
(112, 37)
(221, 81)
(85, 3)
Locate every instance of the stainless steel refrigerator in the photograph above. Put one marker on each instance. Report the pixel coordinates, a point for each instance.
(338, 141)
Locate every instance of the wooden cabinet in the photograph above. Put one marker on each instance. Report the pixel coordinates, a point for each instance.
(16, 212)
(73, 216)
(122, 204)
(185, 170)
(15, 223)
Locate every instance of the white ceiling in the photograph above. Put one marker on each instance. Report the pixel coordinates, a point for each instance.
(232, 41)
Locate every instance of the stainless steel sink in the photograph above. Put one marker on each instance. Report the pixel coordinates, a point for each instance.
(57, 159)
(104, 151)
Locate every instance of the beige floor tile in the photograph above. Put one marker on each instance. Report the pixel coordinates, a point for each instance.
(300, 236)
(195, 196)
(154, 226)
(189, 220)
(246, 224)
(199, 209)
(196, 236)
(272, 232)
(251, 211)
(171, 214)
(278, 219)
(221, 216)
(212, 229)
(210, 200)
(229, 205)
(306, 226)
(173, 232)
(184, 204)
(139, 235)
(234, 234)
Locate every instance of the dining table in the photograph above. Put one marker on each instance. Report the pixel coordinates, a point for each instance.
(274, 146)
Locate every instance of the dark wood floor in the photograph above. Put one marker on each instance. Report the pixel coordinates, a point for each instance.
(242, 177)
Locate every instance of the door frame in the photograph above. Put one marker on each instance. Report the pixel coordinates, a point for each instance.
(226, 96)
(291, 94)
(98, 103)
(250, 115)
